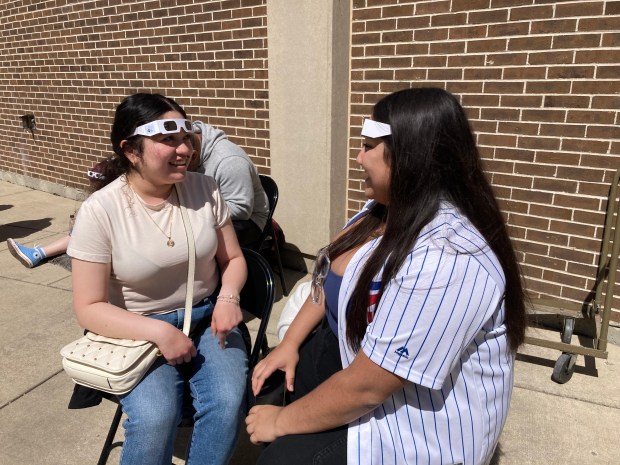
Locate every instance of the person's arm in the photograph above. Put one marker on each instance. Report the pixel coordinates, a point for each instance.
(286, 354)
(90, 283)
(227, 314)
(234, 179)
(345, 396)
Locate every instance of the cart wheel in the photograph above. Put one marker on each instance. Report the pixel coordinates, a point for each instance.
(567, 330)
(564, 368)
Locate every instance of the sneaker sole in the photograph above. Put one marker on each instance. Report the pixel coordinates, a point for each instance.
(14, 250)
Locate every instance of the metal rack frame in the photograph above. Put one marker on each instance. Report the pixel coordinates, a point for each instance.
(589, 319)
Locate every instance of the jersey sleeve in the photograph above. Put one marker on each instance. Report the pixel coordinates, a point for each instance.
(429, 313)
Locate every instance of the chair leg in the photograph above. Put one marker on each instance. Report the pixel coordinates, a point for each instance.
(280, 269)
(107, 445)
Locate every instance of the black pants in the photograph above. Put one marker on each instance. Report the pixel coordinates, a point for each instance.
(319, 358)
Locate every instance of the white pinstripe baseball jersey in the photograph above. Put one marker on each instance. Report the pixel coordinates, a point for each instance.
(440, 325)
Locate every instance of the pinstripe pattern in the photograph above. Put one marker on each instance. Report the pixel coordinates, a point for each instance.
(438, 324)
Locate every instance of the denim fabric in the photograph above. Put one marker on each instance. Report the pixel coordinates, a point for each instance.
(217, 380)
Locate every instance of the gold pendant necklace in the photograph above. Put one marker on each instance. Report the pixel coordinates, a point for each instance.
(170, 241)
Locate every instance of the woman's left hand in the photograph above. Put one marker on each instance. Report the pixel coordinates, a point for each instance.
(261, 423)
(226, 316)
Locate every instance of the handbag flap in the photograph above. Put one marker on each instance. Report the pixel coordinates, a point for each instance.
(118, 342)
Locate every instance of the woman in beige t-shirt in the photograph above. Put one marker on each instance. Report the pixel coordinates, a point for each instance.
(129, 252)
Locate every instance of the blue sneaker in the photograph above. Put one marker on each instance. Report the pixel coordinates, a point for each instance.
(29, 257)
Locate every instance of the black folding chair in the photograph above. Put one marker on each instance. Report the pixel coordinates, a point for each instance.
(268, 238)
(257, 297)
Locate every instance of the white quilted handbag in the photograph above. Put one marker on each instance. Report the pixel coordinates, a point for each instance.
(108, 364)
(117, 365)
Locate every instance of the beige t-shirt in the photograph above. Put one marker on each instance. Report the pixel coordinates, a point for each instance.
(147, 276)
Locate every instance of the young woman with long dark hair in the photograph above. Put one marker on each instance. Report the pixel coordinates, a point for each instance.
(417, 308)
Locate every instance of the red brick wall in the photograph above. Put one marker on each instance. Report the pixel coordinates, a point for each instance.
(540, 81)
(71, 63)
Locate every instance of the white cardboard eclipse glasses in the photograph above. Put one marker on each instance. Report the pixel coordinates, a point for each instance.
(375, 129)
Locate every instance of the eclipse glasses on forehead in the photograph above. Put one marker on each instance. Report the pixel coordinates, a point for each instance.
(163, 126)
(374, 129)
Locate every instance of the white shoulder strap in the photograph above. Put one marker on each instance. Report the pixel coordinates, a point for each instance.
(191, 252)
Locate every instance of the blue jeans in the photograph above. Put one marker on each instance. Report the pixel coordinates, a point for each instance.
(217, 380)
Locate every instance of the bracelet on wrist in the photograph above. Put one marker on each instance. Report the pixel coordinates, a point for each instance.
(230, 298)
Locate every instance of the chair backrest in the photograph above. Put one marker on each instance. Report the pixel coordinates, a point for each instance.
(271, 190)
(257, 297)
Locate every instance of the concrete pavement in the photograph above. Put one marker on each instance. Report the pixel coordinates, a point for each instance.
(571, 424)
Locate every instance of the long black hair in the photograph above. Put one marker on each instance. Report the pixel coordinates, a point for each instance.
(133, 111)
(432, 156)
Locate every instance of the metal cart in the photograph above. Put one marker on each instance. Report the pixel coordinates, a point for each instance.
(588, 320)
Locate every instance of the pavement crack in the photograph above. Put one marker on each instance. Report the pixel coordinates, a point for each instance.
(555, 394)
(29, 390)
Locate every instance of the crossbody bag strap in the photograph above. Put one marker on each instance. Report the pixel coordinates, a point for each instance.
(191, 252)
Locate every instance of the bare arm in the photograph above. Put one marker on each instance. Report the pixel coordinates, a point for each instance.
(90, 283)
(344, 397)
(227, 315)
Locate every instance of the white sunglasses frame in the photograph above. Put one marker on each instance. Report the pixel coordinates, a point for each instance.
(158, 127)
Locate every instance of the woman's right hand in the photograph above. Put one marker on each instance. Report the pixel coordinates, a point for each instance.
(174, 345)
(283, 357)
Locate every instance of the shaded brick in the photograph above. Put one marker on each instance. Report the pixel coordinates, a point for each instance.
(603, 132)
(552, 57)
(482, 73)
(548, 87)
(585, 145)
(550, 212)
(397, 10)
(529, 221)
(547, 237)
(575, 41)
(447, 48)
(562, 130)
(468, 32)
(564, 101)
(509, 29)
(434, 7)
(585, 243)
(487, 45)
(468, 5)
(531, 169)
(610, 23)
(553, 26)
(511, 180)
(608, 72)
(521, 101)
(597, 56)
(430, 34)
(450, 19)
(489, 16)
(524, 73)
(594, 188)
(544, 261)
(578, 9)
